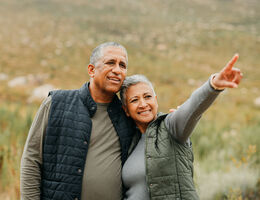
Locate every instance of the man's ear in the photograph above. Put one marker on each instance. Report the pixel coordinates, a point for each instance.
(126, 111)
(91, 70)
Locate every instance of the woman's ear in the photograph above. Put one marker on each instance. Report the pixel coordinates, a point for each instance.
(91, 70)
(126, 111)
(156, 101)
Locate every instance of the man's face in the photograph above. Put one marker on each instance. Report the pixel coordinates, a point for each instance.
(110, 70)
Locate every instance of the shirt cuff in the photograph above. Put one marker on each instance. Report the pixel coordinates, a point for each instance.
(212, 84)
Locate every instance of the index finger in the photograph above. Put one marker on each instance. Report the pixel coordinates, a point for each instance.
(231, 63)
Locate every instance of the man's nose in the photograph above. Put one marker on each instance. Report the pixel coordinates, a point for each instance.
(116, 69)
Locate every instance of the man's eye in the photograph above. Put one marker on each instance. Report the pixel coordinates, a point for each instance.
(148, 96)
(122, 65)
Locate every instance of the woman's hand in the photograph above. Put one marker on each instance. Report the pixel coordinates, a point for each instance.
(229, 76)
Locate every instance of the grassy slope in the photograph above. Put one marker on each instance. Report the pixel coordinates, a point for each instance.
(177, 44)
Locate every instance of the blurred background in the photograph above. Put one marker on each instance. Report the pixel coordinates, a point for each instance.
(46, 44)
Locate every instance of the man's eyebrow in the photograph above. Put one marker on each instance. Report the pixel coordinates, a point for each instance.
(122, 62)
(109, 60)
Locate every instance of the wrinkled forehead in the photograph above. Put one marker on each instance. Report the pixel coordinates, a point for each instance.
(113, 52)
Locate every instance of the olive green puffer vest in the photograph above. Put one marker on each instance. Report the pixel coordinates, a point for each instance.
(169, 165)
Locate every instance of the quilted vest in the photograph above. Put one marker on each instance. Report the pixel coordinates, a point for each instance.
(66, 141)
(169, 164)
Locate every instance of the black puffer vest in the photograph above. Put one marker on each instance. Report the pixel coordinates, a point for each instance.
(66, 141)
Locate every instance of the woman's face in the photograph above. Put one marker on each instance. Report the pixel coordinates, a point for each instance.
(141, 105)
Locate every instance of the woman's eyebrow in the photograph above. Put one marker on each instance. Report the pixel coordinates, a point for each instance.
(133, 97)
(147, 93)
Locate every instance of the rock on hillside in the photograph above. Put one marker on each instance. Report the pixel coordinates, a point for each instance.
(40, 93)
(257, 102)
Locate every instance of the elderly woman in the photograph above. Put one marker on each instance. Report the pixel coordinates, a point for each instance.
(160, 165)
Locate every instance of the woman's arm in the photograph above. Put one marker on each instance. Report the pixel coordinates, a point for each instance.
(182, 121)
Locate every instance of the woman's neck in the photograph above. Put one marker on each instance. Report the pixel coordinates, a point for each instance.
(142, 127)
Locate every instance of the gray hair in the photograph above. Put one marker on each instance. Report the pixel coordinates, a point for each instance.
(97, 53)
(133, 80)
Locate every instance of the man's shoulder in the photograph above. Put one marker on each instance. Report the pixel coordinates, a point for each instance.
(63, 93)
(63, 98)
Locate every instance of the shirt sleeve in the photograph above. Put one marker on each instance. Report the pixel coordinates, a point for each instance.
(182, 122)
(30, 171)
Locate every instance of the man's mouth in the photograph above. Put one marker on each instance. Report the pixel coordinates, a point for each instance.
(114, 79)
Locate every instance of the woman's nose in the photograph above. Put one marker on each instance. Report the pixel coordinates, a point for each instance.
(142, 103)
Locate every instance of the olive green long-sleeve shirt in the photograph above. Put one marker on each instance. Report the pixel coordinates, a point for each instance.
(102, 172)
(32, 156)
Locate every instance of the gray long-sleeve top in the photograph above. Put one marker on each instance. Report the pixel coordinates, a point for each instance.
(182, 121)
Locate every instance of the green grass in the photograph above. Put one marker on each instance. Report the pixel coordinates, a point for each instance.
(14, 127)
(176, 44)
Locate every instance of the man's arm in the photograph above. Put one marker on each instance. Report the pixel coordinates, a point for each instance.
(30, 173)
(182, 121)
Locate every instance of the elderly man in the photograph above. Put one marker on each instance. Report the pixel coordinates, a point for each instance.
(79, 139)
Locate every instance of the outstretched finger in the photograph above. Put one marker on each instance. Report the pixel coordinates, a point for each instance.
(231, 63)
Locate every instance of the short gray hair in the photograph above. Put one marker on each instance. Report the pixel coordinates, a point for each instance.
(97, 53)
(133, 80)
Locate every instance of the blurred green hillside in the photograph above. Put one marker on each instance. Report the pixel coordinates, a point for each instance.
(176, 44)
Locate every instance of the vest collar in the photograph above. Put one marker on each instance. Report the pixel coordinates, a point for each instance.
(91, 105)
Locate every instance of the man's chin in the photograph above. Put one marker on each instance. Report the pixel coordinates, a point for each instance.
(112, 89)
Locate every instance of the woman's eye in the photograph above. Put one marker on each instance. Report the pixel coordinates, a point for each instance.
(148, 96)
(133, 100)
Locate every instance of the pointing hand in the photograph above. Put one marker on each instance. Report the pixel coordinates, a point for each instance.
(229, 76)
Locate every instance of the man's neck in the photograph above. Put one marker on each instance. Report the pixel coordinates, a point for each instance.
(100, 96)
